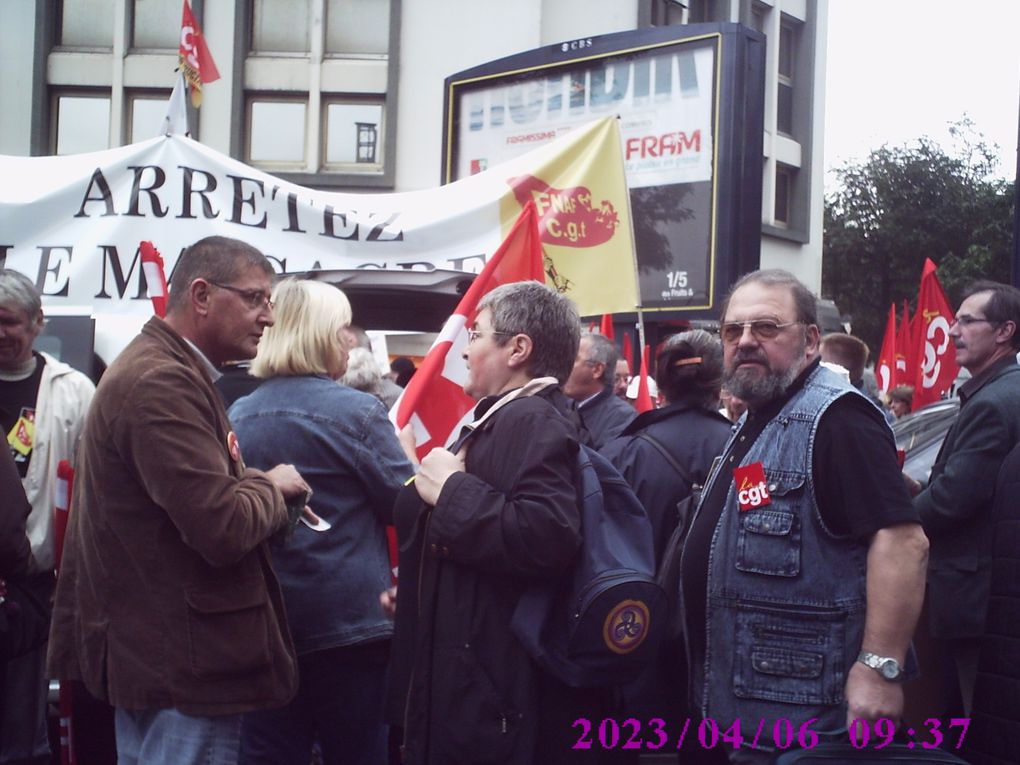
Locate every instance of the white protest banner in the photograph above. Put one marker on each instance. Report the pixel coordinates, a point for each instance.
(74, 223)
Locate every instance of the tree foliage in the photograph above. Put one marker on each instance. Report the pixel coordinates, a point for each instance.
(906, 203)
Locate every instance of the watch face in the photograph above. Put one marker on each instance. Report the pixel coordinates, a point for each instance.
(890, 669)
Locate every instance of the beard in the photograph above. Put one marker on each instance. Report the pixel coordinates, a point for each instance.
(753, 386)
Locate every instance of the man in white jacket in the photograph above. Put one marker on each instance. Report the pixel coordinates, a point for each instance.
(42, 410)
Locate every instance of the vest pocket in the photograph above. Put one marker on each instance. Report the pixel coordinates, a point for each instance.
(768, 542)
(790, 655)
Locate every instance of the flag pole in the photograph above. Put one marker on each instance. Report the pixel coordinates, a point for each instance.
(633, 256)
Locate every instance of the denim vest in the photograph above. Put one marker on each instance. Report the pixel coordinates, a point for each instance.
(786, 598)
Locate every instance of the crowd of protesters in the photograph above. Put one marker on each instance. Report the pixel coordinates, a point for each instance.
(225, 586)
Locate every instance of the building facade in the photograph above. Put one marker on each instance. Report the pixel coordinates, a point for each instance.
(348, 94)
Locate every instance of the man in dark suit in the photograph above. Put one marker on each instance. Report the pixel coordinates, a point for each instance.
(591, 386)
(956, 506)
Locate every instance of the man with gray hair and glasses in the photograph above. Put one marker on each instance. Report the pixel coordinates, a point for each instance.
(807, 493)
(42, 410)
(591, 384)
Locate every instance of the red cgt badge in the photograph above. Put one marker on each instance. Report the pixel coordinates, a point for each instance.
(752, 491)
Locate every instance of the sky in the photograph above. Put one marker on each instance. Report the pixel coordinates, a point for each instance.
(901, 69)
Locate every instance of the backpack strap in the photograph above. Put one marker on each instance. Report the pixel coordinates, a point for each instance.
(667, 456)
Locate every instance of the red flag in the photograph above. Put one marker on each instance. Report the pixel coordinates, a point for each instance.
(934, 350)
(193, 56)
(628, 352)
(885, 364)
(434, 401)
(643, 403)
(155, 278)
(607, 326)
(903, 374)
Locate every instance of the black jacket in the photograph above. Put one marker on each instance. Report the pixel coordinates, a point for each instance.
(693, 436)
(472, 694)
(956, 508)
(995, 726)
(605, 416)
(14, 548)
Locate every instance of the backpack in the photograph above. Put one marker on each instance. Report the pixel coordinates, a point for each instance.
(601, 624)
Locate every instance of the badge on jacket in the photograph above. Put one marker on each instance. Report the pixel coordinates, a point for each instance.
(752, 491)
(233, 447)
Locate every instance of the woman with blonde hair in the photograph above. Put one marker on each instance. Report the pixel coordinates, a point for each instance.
(342, 443)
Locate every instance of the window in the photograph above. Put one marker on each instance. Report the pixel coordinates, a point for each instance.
(759, 15)
(785, 176)
(666, 12)
(357, 26)
(281, 26)
(86, 23)
(784, 95)
(277, 135)
(353, 134)
(146, 115)
(156, 24)
(82, 122)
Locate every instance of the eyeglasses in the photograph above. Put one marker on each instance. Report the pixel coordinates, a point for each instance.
(966, 321)
(474, 334)
(762, 329)
(253, 298)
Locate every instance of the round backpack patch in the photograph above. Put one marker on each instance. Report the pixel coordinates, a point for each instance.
(626, 626)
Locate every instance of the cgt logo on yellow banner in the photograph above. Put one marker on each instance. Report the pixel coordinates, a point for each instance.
(566, 217)
(581, 195)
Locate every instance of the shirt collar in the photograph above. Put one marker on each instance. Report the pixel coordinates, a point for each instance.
(974, 384)
(214, 373)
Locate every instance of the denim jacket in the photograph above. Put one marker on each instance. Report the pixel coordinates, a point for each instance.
(786, 598)
(342, 443)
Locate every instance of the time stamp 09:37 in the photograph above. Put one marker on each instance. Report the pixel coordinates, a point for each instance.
(782, 733)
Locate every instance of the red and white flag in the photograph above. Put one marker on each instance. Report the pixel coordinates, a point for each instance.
(935, 353)
(193, 56)
(155, 277)
(434, 401)
(643, 403)
(885, 364)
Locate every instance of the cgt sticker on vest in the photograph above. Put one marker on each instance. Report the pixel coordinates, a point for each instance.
(752, 492)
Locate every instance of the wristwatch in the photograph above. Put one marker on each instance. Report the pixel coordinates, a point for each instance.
(887, 667)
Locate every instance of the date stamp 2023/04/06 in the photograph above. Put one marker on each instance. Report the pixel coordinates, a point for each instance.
(657, 733)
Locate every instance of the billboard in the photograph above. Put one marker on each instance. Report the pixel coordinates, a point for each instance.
(689, 100)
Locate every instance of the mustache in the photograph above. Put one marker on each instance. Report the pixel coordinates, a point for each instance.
(749, 355)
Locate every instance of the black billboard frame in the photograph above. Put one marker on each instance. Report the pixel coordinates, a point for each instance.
(737, 127)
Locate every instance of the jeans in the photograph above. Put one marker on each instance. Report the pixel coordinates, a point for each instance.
(168, 737)
(339, 704)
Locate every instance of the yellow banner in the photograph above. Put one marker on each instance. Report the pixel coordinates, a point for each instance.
(581, 197)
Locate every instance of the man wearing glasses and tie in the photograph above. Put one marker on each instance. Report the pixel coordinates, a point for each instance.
(803, 572)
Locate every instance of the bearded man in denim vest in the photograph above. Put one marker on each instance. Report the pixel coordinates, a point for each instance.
(803, 573)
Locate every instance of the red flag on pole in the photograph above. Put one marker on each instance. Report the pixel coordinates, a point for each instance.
(434, 401)
(885, 364)
(628, 352)
(607, 326)
(155, 278)
(643, 403)
(193, 56)
(934, 350)
(903, 374)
